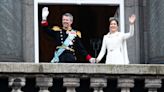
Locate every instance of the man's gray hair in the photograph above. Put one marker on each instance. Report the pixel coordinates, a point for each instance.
(68, 15)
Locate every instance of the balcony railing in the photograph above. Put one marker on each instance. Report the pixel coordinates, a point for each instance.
(98, 77)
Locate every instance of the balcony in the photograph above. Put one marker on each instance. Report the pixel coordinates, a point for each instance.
(60, 77)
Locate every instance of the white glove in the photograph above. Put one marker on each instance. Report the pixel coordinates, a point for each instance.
(92, 60)
(45, 13)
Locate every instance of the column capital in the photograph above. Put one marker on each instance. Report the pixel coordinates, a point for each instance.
(125, 83)
(98, 84)
(17, 83)
(71, 84)
(153, 83)
(44, 83)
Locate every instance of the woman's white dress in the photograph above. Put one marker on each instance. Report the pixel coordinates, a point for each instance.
(115, 44)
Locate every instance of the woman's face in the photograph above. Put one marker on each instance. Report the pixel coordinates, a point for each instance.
(113, 26)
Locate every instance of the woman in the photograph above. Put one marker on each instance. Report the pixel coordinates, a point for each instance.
(115, 43)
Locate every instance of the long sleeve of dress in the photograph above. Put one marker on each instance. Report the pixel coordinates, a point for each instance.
(130, 33)
(124, 47)
(103, 50)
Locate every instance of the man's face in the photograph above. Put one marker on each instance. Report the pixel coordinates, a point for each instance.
(66, 21)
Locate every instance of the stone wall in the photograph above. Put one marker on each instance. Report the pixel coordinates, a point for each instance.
(11, 30)
(16, 30)
(155, 32)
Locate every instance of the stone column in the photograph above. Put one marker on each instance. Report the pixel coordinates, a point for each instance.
(28, 30)
(133, 43)
(44, 83)
(16, 83)
(71, 84)
(11, 30)
(125, 84)
(153, 84)
(98, 84)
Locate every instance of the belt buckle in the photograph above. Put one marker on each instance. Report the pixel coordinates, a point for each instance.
(111, 50)
(67, 48)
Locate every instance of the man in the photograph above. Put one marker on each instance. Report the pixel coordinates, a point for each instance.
(66, 38)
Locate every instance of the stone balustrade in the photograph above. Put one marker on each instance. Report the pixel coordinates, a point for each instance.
(99, 77)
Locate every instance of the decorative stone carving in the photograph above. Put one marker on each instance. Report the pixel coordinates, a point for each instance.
(125, 84)
(16, 83)
(98, 84)
(153, 84)
(44, 83)
(71, 84)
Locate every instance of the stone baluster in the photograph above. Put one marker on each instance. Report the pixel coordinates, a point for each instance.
(71, 84)
(44, 83)
(98, 84)
(153, 84)
(125, 84)
(16, 83)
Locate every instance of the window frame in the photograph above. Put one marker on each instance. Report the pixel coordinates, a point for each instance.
(119, 3)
